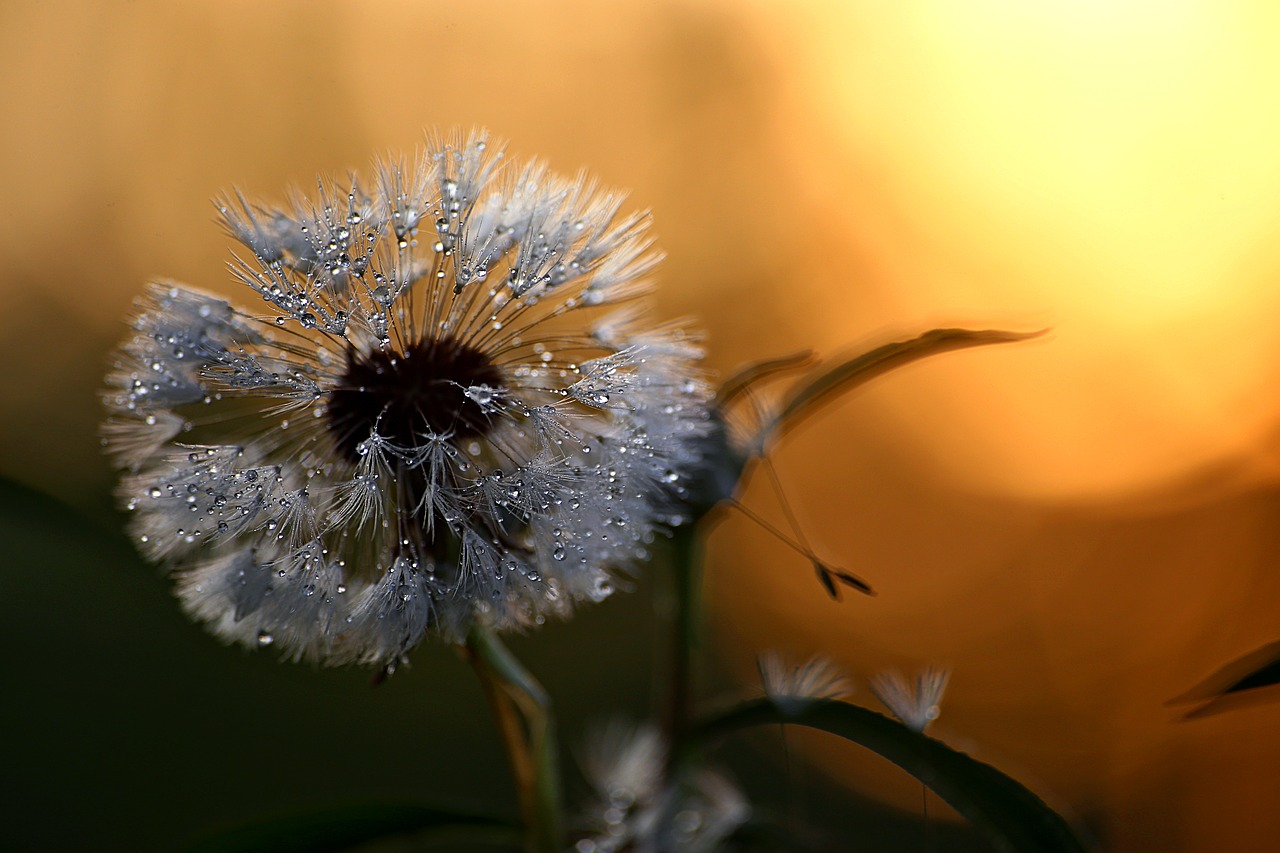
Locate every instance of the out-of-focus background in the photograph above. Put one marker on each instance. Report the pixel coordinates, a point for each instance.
(1082, 527)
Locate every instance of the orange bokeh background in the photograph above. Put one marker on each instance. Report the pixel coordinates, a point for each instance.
(1082, 526)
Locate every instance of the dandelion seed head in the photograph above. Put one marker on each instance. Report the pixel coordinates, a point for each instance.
(421, 423)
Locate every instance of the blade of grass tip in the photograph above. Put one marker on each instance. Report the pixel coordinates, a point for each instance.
(852, 372)
(758, 371)
(1258, 668)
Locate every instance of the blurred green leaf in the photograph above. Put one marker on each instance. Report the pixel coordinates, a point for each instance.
(852, 372)
(1009, 814)
(338, 829)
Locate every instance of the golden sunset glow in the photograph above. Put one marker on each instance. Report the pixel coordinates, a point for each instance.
(1081, 526)
(1107, 170)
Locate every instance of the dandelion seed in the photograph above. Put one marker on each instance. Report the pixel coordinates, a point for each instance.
(635, 809)
(792, 686)
(385, 448)
(915, 705)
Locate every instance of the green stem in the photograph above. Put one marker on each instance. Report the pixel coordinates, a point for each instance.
(686, 568)
(523, 711)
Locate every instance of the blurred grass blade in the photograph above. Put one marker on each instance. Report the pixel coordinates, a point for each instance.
(1012, 817)
(1239, 684)
(1259, 668)
(756, 372)
(861, 368)
(343, 828)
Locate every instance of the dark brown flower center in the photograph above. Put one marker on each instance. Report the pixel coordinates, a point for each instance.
(407, 395)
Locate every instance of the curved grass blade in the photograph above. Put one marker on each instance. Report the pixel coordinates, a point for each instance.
(338, 829)
(758, 371)
(1010, 815)
(1238, 684)
(853, 372)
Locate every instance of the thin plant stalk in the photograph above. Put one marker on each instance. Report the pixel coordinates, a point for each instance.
(686, 570)
(522, 710)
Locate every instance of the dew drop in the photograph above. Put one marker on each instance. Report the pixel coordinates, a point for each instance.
(603, 589)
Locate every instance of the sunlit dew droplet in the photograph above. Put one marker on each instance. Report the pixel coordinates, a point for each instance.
(265, 639)
(481, 394)
(558, 553)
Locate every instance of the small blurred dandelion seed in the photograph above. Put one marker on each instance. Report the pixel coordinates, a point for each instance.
(915, 705)
(637, 809)
(792, 686)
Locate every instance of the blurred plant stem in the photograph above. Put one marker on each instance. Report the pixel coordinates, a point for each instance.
(686, 575)
(522, 709)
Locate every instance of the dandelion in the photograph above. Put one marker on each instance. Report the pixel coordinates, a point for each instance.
(791, 687)
(454, 409)
(636, 809)
(915, 705)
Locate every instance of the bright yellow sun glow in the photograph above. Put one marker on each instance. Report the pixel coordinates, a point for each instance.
(1110, 170)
